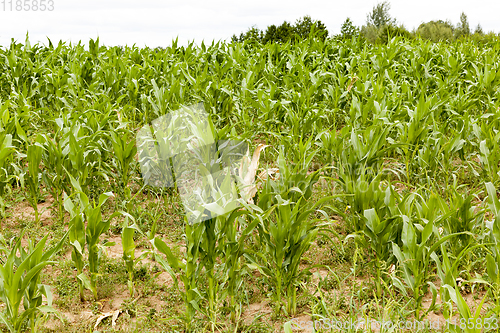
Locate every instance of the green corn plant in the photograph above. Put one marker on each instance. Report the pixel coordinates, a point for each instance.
(54, 175)
(451, 148)
(289, 231)
(420, 238)
(379, 235)
(330, 146)
(6, 150)
(85, 153)
(173, 265)
(95, 228)
(428, 156)
(87, 236)
(465, 217)
(234, 248)
(364, 151)
(77, 240)
(207, 238)
(189, 269)
(493, 258)
(294, 171)
(206, 242)
(128, 246)
(447, 271)
(124, 156)
(76, 157)
(470, 322)
(226, 239)
(378, 227)
(208, 254)
(33, 296)
(489, 148)
(362, 192)
(20, 282)
(285, 237)
(33, 180)
(411, 134)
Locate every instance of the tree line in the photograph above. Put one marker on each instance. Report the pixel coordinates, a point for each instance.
(379, 28)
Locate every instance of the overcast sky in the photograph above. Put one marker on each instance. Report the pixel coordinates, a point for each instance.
(156, 23)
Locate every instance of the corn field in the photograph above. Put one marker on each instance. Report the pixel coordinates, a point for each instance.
(372, 174)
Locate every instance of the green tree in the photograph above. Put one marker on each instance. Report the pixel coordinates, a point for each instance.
(305, 26)
(253, 34)
(281, 34)
(379, 16)
(479, 30)
(348, 29)
(376, 21)
(285, 32)
(463, 29)
(271, 34)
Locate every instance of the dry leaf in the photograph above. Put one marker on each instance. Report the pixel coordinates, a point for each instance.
(113, 314)
(119, 115)
(250, 189)
(353, 80)
(272, 173)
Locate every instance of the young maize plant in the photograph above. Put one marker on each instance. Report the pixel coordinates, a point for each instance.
(124, 156)
(20, 282)
(466, 218)
(128, 246)
(378, 235)
(237, 229)
(411, 134)
(54, 158)
(489, 148)
(86, 151)
(6, 150)
(207, 241)
(204, 175)
(420, 237)
(363, 192)
(448, 272)
(287, 231)
(493, 258)
(469, 322)
(87, 235)
(33, 179)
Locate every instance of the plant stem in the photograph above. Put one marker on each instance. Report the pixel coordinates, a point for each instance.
(35, 207)
(60, 204)
(82, 297)
(211, 297)
(378, 282)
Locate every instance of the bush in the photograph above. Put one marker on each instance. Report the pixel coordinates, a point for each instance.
(436, 31)
(389, 31)
(370, 33)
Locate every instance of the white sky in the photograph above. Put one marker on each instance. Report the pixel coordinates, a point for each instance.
(156, 23)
